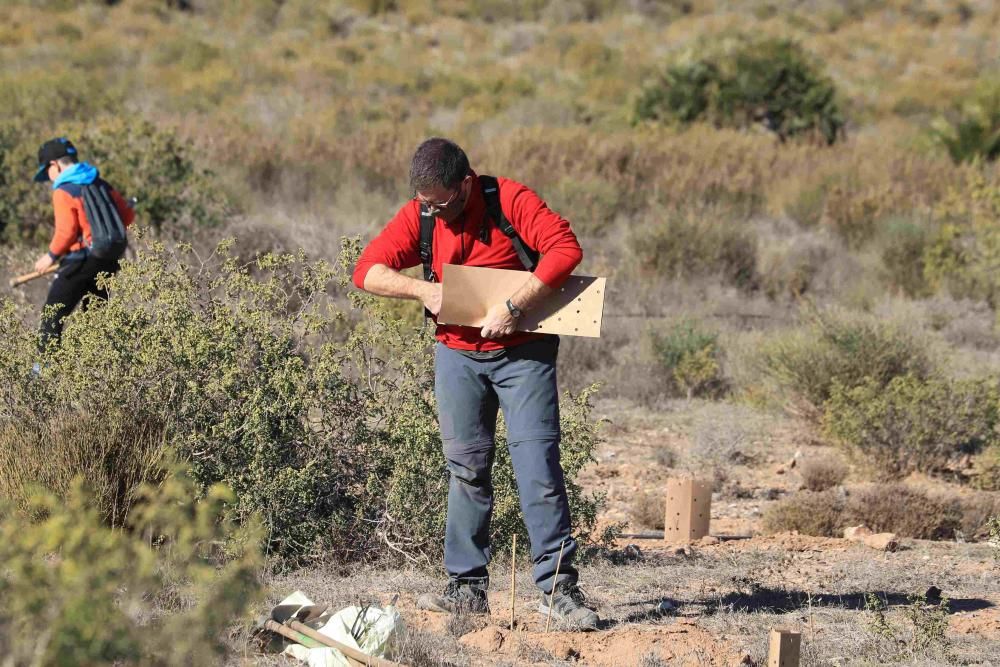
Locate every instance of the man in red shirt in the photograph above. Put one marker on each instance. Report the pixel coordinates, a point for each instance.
(480, 370)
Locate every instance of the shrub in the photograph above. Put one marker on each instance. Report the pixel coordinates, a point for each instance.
(977, 510)
(52, 615)
(903, 247)
(963, 254)
(648, 510)
(773, 82)
(115, 452)
(808, 512)
(822, 474)
(327, 433)
(833, 347)
(175, 194)
(690, 356)
(904, 510)
(686, 245)
(912, 424)
(973, 130)
(986, 469)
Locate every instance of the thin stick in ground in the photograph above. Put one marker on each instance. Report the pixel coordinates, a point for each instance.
(555, 580)
(513, 577)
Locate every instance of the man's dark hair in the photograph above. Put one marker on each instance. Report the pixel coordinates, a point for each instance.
(438, 162)
(67, 160)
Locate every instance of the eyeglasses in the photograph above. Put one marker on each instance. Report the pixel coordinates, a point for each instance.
(435, 207)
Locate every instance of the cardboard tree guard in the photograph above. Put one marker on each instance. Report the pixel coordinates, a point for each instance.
(784, 648)
(468, 292)
(688, 510)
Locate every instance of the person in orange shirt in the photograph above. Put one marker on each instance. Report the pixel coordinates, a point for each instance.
(89, 239)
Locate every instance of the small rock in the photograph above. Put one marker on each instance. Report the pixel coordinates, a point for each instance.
(745, 660)
(666, 606)
(780, 470)
(632, 552)
(680, 550)
(856, 533)
(709, 540)
(768, 494)
(882, 541)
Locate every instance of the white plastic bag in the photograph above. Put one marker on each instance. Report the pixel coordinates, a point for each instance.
(380, 631)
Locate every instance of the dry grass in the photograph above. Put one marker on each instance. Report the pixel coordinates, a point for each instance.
(736, 593)
(822, 474)
(809, 513)
(906, 511)
(115, 454)
(648, 510)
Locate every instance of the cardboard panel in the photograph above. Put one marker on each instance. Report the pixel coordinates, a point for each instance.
(468, 292)
(784, 649)
(688, 509)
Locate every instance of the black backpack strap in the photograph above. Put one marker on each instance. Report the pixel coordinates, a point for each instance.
(427, 242)
(491, 195)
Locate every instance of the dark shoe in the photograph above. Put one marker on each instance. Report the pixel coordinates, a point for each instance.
(569, 607)
(459, 597)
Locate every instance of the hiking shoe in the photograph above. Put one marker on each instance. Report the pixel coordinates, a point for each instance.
(458, 597)
(569, 607)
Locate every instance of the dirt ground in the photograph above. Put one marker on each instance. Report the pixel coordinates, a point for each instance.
(709, 604)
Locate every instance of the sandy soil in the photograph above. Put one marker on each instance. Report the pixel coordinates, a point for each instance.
(726, 596)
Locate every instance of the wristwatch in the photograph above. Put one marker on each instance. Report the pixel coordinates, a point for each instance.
(514, 310)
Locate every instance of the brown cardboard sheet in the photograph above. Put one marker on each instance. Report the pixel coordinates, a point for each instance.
(468, 292)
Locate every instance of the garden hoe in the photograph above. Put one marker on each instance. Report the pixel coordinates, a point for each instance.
(289, 620)
(27, 277)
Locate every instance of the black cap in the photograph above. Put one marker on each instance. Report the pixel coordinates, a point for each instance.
(50, 151)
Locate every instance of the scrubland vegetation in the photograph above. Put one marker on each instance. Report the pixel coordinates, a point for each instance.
(797, 206)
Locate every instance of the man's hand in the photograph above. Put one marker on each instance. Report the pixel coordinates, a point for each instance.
(44, 262)
(499, 322)
(431, 297)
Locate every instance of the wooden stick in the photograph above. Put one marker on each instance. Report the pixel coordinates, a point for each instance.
(360, 656)
(28, 277)
(288, 633)
(513, 577)
(555, 580)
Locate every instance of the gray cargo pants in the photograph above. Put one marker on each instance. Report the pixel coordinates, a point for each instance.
(523, 383)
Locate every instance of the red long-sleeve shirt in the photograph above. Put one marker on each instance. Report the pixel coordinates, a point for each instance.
(398, 247)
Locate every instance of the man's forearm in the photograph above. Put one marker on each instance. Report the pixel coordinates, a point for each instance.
(530, 294)
(384, 281)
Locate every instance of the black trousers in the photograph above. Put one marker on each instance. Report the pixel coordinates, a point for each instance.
(74, 281)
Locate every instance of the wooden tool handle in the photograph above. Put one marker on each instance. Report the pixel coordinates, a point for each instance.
(27, 277)
(288, 633)
(351, 653)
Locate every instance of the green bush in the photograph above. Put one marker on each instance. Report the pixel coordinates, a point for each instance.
(962, 255)
(77, 592)
(324, 430)
(973, 131)
(912, 423)
(903, 248)
(175, 194)
(801, 367)
(690, 357)
(773, 82)
(687, 244)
